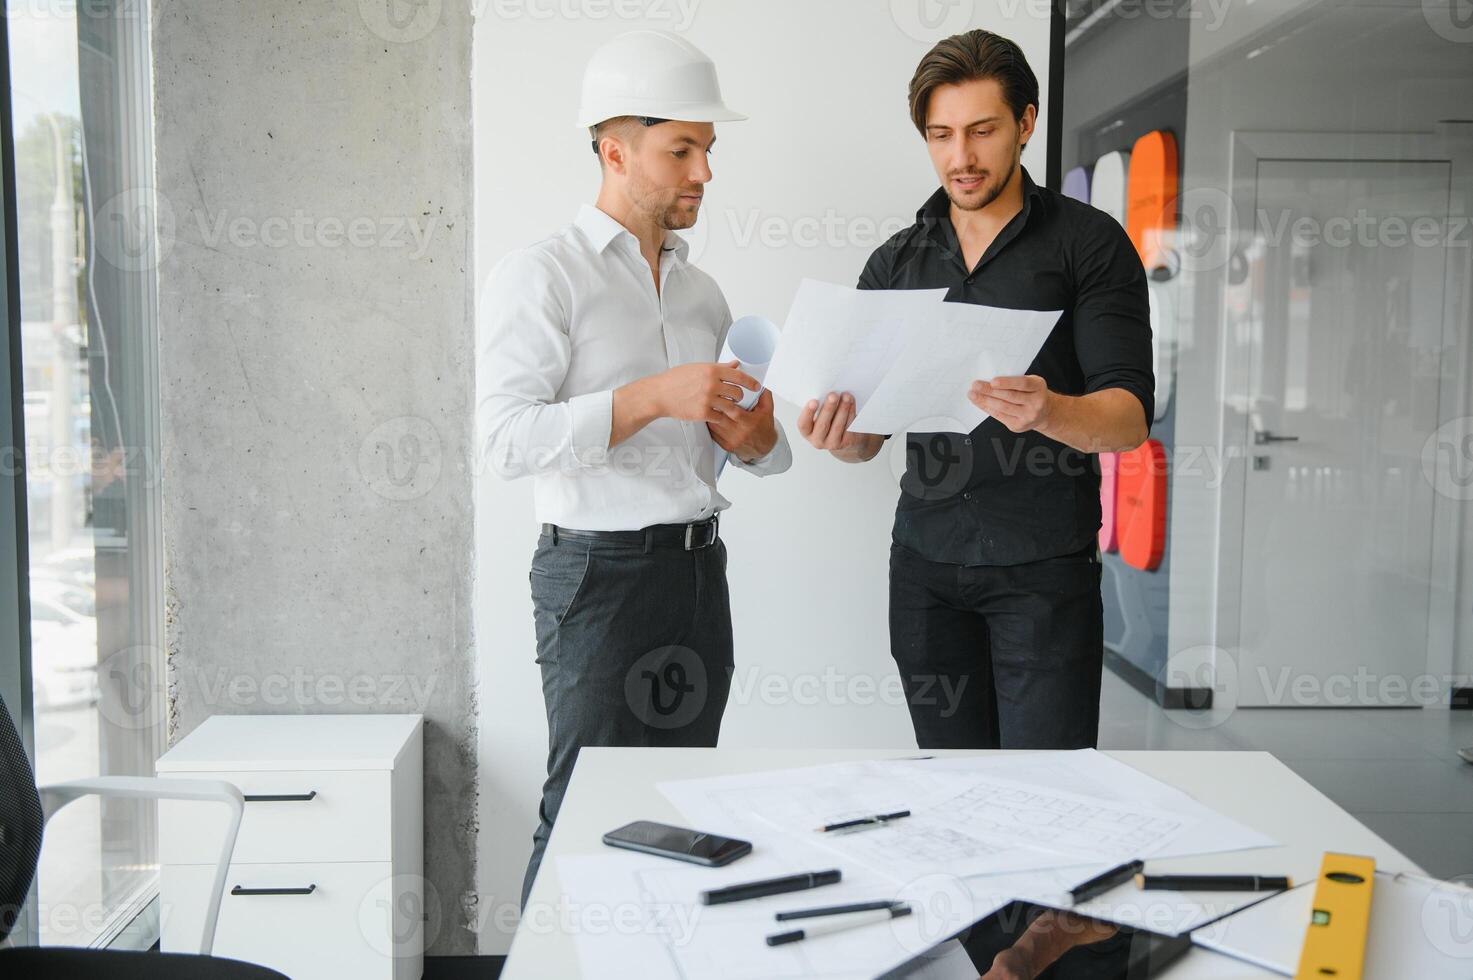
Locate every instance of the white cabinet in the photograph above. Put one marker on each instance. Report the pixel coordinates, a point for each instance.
(327, 877)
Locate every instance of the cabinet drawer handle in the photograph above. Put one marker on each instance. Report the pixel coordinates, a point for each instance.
(281, 797)
(238, 890)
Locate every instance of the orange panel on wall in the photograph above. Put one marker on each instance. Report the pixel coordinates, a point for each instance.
(1108, 539)
(1151, 195)
(1140, 505)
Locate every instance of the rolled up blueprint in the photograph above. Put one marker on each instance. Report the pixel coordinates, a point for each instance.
(751, 341)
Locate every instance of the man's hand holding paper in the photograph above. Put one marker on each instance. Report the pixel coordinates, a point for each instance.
(746, 432)
(1020, 403)
(905, 356)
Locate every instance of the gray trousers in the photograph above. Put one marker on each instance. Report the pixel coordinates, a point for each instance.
(635, 647)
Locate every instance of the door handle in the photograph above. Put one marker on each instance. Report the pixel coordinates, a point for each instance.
(1262, 437)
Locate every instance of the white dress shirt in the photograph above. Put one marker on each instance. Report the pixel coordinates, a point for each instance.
(564, 323)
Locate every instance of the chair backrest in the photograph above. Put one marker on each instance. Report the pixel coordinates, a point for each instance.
(21, 823)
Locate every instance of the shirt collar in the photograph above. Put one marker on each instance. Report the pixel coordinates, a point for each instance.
(600, 229)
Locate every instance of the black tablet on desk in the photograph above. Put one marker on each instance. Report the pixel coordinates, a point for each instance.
(1130, 954)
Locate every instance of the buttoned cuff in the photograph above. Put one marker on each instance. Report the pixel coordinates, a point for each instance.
(777, 460)
(592, 423)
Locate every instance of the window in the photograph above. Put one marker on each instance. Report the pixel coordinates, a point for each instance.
(79, 98)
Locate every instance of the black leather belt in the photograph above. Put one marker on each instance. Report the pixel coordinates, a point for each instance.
(691, 537)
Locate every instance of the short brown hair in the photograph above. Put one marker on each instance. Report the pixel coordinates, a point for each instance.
(968, 57)
(630, 129)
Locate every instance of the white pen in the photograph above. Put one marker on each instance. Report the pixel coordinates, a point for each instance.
(853, 920)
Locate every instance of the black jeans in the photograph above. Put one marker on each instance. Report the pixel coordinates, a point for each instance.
(635, 647)
(999, 656)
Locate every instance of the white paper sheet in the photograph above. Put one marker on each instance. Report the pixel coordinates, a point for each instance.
(647, 920)
(1094, 773)
(960, 343)
(907, 356)
(1030, 814)
(639, 918)
(1099, 775)
(1419, 928)
(949, 961)
(1082, 795)
(841, 339)
(793, 803)
(969, 817)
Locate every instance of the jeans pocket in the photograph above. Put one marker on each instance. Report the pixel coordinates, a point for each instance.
(559, 575)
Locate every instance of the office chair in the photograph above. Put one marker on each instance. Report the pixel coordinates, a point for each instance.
(24, 811)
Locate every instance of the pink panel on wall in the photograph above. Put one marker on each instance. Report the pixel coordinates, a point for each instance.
(1108, 539)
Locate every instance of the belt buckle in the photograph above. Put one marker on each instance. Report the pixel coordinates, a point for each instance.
(709, 525)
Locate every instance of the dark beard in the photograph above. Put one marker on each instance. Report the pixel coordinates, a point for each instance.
(991, 195)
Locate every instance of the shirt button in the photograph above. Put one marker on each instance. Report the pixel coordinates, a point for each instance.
(967, 441)
(966, 496)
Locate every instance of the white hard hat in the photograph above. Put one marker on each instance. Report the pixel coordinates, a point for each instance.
(654, 75)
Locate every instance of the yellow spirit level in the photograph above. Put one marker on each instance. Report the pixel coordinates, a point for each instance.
(1335, 942)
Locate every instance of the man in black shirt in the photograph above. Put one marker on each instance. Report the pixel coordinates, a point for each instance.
(994, 565)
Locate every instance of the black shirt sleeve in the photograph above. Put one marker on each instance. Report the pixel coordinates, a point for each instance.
(1112, 317)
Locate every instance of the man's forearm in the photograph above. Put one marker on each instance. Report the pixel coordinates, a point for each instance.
(1106, 421)
(636, 405)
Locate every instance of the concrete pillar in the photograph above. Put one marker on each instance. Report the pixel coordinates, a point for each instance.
(313, 179)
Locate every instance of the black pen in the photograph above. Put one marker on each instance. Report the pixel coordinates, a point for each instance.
(855, 921)
(863, 821)
(1214, 883)
(770, 886)
(1102, 883)
(833, 910)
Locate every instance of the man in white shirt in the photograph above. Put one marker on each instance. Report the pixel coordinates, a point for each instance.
(597, 379)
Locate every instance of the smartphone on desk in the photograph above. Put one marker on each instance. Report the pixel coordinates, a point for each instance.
(648, 837)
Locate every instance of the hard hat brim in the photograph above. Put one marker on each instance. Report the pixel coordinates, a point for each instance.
(696, 113)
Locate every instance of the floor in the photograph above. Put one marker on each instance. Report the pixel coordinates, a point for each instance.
(1397, 770)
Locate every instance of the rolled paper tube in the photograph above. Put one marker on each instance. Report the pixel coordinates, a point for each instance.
(751, 341)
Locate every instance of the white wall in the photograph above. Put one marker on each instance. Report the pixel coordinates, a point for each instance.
(826, 168)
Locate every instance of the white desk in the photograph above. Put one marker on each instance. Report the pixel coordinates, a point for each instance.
(611, 787)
